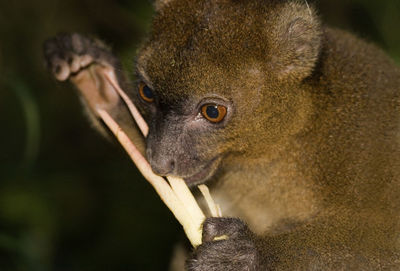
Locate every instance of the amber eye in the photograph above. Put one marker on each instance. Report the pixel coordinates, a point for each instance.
(214, 113)
(146, 93)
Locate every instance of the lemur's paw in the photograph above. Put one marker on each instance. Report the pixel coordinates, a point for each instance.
(237, 252)
(68, 54)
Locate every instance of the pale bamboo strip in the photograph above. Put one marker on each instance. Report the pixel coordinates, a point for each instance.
(132, 108)
(165, 192)
(214, 210)
(219, 211)
(185, 195)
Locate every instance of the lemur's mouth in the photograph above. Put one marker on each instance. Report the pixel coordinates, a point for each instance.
(204, 174)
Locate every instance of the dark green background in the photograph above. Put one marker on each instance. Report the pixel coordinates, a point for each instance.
(70, 200)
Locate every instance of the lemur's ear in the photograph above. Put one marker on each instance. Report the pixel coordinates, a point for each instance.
(298, 40)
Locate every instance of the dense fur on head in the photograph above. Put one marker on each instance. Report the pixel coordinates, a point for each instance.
(258, 48)
(308, 152)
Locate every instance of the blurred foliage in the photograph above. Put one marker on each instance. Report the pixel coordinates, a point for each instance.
(69, 199)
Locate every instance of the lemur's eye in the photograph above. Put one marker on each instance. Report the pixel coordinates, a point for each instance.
(213, 112)
(146, 93)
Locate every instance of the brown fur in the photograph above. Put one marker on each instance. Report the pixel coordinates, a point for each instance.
(311, 154)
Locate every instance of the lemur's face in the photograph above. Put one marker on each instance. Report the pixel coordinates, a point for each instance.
(210, 81)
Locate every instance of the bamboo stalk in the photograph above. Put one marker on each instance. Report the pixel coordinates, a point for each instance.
(180, 188)
(214, 209)
(110, 76)
(166, 193)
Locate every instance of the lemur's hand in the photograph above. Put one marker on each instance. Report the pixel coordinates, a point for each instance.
(85, 62)
(68, 54)
(236, 253)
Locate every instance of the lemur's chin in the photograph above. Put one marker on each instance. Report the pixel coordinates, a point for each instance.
(204, 173)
